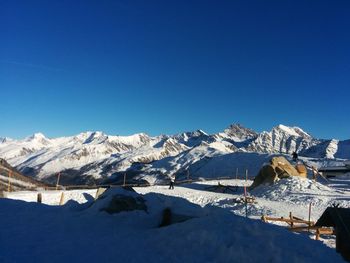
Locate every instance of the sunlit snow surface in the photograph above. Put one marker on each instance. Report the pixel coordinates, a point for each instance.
(32, 232)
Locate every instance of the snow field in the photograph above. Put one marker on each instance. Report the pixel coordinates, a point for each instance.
(32, 232)
(54, 197)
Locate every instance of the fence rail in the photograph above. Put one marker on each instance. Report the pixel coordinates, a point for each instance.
(95, 186)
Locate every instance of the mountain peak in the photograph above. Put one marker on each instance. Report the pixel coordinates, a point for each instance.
(293, 131)
(36, 136)
(239, 131)
(199, 132)
(96, 136)
(5, 139)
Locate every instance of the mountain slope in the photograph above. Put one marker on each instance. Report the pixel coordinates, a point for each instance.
(93, 157)
(11, 179)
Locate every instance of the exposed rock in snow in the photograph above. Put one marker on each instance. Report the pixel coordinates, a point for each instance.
(277, 168)
(237, 131)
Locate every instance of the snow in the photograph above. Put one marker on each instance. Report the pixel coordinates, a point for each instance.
(289, 130)
(32, 232)
(53, 197)
(332, 149)
(135, 140)
(98, 155)
(219, 232)
(78, 233)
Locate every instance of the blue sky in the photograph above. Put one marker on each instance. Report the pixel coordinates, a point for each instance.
(164, 67)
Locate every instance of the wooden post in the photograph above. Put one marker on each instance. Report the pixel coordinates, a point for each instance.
(245, 201)
(62, 198)
(99, 192)
(58, 180)
(9, 182)
(291, 218)
(309, 216)
(39, 198)
(317, 234)
(236, 173)
(124, 183)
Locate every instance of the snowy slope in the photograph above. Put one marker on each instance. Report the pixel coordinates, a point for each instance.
(94, 157)
(83, 233)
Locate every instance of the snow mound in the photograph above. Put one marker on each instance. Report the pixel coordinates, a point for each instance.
(88, 236)
(295, 190)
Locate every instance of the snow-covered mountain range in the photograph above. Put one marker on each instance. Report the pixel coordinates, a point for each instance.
(94, 157)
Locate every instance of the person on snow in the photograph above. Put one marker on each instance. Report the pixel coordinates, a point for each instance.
(295, 156)
(172, 181)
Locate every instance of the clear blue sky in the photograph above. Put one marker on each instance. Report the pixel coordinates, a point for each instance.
(163, 67)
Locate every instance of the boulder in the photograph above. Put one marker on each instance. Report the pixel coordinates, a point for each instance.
(278, 168)
(301, 170)
(116, 200)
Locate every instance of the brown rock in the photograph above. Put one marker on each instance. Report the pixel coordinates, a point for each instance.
(278, 168)
(301, 170)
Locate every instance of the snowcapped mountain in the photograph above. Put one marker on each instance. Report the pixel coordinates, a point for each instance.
(93, 157)
(282, 139)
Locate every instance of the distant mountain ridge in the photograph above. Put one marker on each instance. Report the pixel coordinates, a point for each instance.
(93, 157)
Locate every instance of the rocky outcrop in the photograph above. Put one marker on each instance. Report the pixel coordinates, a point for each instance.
(278, 168)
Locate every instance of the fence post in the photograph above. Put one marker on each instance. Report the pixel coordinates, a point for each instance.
(58, 180)
(9, 182)
(245, 201)
(309, 216)
(62, 198)
(99, 192)
(246, 175)
(39, 198)
(124, 183)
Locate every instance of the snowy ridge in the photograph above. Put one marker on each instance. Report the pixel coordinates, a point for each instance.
(95, 156)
